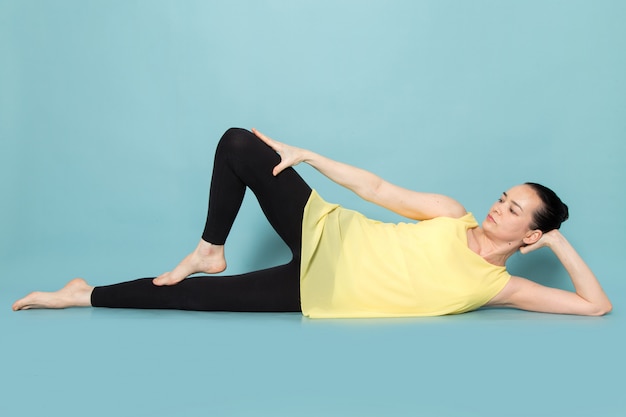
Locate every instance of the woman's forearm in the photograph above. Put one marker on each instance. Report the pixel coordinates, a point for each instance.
(369, 186)
(584, 280)
(360, 181)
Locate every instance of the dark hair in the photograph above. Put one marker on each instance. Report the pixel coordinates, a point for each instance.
(553, 211)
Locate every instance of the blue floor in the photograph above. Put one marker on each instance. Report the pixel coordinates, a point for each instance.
(101, 362)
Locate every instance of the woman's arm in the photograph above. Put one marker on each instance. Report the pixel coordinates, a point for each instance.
(369, 186)
(588, 299)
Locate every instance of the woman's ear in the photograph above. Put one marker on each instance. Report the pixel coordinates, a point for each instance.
(532, 236)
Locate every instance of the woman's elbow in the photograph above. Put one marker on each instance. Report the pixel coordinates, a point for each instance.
(607, 309)
(602, 309)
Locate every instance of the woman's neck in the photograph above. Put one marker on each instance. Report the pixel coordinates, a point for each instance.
(494, 252)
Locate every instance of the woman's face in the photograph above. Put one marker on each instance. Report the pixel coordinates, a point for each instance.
(511, 216)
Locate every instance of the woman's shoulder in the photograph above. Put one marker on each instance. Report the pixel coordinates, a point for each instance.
(467, 220)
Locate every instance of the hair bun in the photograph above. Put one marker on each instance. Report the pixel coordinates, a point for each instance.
(565, 213)
(553, 211)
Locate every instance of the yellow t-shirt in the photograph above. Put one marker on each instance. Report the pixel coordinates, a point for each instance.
(353, 266)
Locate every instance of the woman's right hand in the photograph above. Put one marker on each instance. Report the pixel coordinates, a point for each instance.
(289, 155)
(369, 186)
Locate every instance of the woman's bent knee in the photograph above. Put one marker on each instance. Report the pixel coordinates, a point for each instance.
(236, 139)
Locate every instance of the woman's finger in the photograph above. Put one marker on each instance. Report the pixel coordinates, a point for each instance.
(274, 145)
(270, 142)
(278, 169)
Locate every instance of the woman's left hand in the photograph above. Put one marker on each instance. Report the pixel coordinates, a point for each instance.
(588, 297)
(547, 239)
(289, 155)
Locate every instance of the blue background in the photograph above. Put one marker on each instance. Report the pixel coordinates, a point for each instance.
(109, 115)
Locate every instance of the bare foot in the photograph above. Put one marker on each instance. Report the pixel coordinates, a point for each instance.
(207, 258)
(76, 293)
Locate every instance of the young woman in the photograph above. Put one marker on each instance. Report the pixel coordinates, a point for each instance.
(345, 265)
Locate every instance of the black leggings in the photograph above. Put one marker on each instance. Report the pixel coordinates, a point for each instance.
(241, 160)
